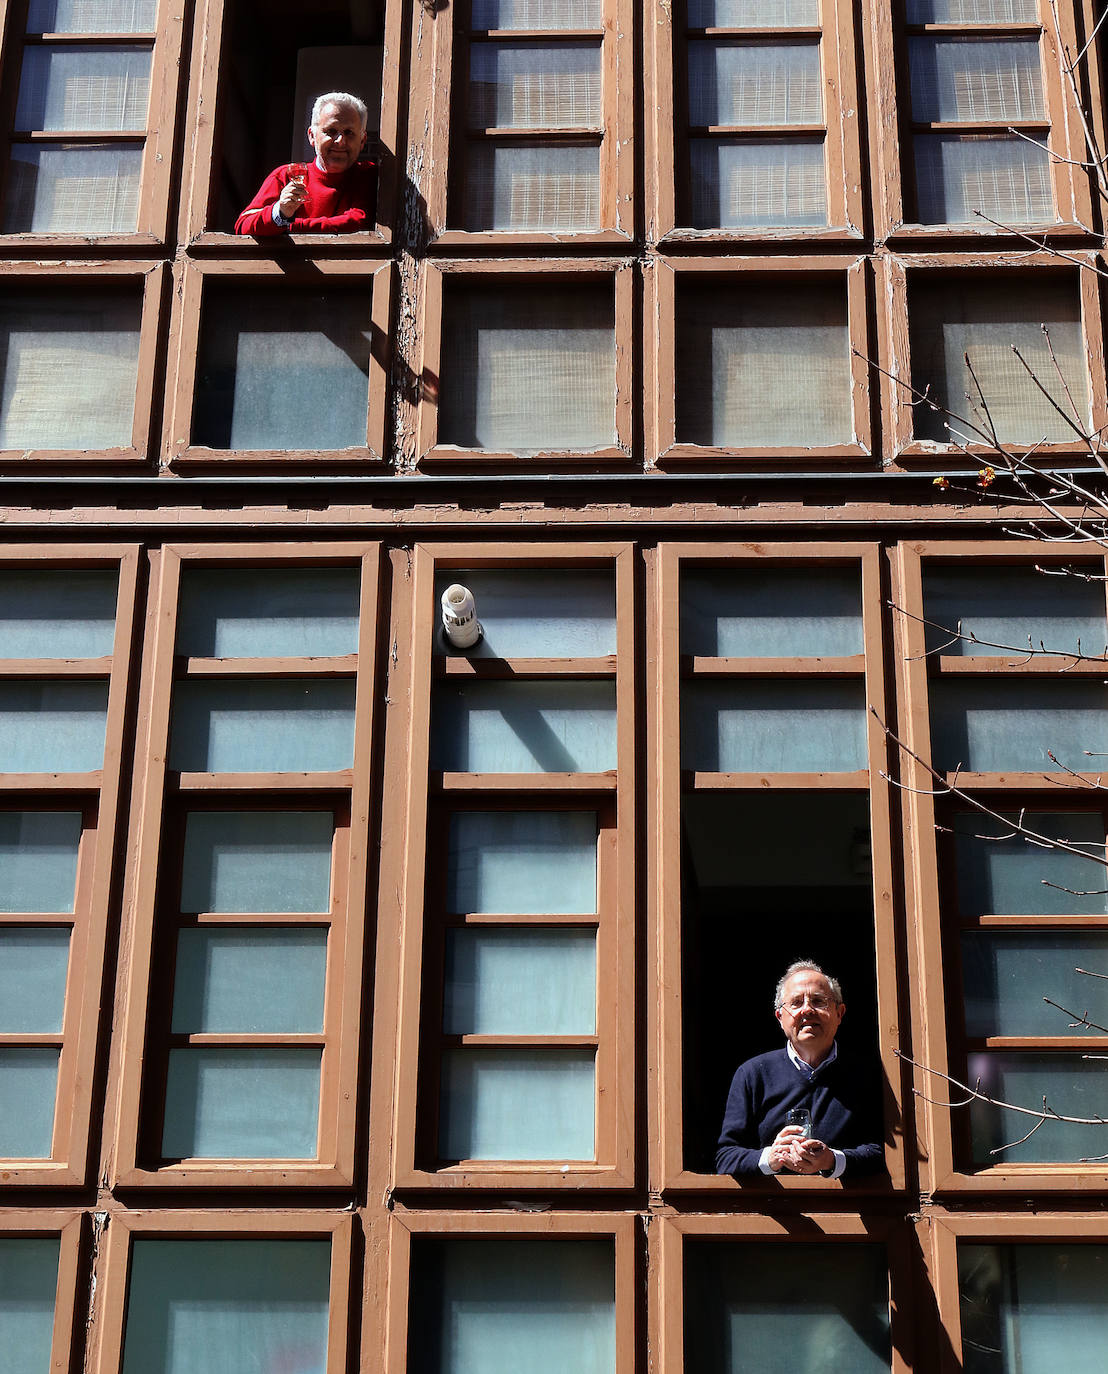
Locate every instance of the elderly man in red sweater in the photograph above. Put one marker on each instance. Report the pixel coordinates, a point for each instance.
(335, 194)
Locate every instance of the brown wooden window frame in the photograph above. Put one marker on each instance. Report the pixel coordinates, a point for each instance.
(97, 796)
(167, 793)
(612, 794)
(40, 1223)
(661, 315)
(191, 278)
(665, 1015)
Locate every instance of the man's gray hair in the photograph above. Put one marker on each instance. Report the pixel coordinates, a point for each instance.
(804, 966)
(344, 101)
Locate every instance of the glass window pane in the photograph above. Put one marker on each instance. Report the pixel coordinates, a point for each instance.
(227, 1306)
(33, 963)
(497, 1306)
(73, 189)
(753, 14)
(1033, 1309)
(1005, 978)
(528, 367)
(38, 860)
(1007, 609)
(539, 614)
(774, 1309)
(282, 368)
(532, 187)
(754, 83)
(57, 612)
(537, 14)
(28, 1091)
(517, 1104)
(742, 185)
(960, 177)
(1072, 1086)
(773, 727)
(70, 368)
(250, 980)
(90, 16)
(269, 612)
(52, 727)
(86, 88)
(257, 861)
(1010, 726)
(522, 862)
(973, 11)
(525, 727)
(975, 80)
(1007, 876)
(242, 1103)
(520, 982)
(771, 613)
(265, 726)
(28, 1284)
(556, 86)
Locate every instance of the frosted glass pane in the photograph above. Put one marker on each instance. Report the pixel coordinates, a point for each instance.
(975, 80)
(74, 189)
(517, 1104)
(1005, 978)
(269, 612)
(754, 83)
(33, 963)
(744, 185)
(52, 727)
(1013, 609)
(28, 1284)
(556, 86)
(227, 1307)
(520, 982)
(771, 613)
(522, 862)
(740, 349)
(57, 612)
(973, 11)
(250, 981)
(1009, 877)
(525, 727)
(282, 368)
(90, 16)
(501, 1306)
(1007, 179)
(547, 187)
(242, 1104)
(271, 726)
(1009, 726)
(28, 1090)
(753, 14)
(70, 368)
(545, 614)
(986, 318)
(85, 88)
(38, 860)
(1072, 1086)
(257, 861)
(1033, 1309)
(773, 727)
(775, 1309)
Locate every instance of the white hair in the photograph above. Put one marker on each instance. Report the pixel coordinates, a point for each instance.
(343, 100)
(805, 966)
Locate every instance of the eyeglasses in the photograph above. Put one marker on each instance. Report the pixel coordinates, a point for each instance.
(815, 1000)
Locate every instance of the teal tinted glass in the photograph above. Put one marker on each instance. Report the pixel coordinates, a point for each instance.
(528, 613)
(250, 980)
(499, 1306)
(520, 982)
(268, 612)
(525, 727)
(1005, 978)
(38, 860)
(992, 611)
(28, 1283)
(257, 861)
(52, 727)
(773, 727)
(57, 612)
(522, 862)
(772, 613)
(1000, 727)
(1001, 874)
(263, 726)
(33, 963)
(227, 1306)
(28, 1091)
(1072, 1085)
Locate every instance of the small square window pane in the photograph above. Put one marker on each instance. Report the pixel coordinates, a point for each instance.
(753, 14)
(57, 612)
(74, 189)
(754, 83)
(250, 981)
(33, 964)
(28, 1285)
(257, 861)
(52, 727)
(742, 348)
(961, 178)
(539, 614)
(90, 16)
(283, 368)
(537, 14)
(998, 612)
(520, 982)
(498, 1305)
(544, 187)
(263, 726)
(773, 727)
(28, 1091)
(973, 11)
(86, 88)
(756, 182)
(38, 860)
(522, 862)
(1007, 876)
(771, 612)
(269, 612)
(518, 1104)
(555, 86)
(1012, 726)
(1072, 1085)
(972, 80)
(525, 727)
(242, 1103)
(1006, 977)
(227, 1306)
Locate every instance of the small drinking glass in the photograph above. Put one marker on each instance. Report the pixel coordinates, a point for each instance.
(298, 171)
(802, 1117)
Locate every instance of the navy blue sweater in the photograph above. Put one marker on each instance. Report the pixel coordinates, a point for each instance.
(844, 1113)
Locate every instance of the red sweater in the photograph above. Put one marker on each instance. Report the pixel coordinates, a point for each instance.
(337, 202)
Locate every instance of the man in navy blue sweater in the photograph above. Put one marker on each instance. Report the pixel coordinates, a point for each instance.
(843, 1137)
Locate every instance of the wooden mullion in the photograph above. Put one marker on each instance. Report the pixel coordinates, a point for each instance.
(752, 32)
(1061, 924)
(541, 921)
(341, 666)
(536, 35)
(57, 668)
(90, 40)
(526, 784)
(50, 783)
(1014, 666)
(980, 126)
(521, 1042)
(1052, 1044)
(1014, 29)
(16, 919)
(590, 134)
(822, 668)
(697, 781)
(339, 781)
(31, 1040)
(457, 665)
(247, 1040)
(784, 131)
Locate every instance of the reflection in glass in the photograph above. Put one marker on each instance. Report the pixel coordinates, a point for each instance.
(517, 1104)
(28, 1091)
(1012, 726)
(771, 613)
(257, 861)
(57, 612)
(83, 89)
(1007, 876)
(973, 81)
(1006, 977)
(28, 1284)
(537, 14)
(90, 16)
(1072, 1085)
(52, 727)
(250, 980)
(33, 965)
(522, 862)
(73, 188)
(263, 726)
(995, 612)
(525, 727)
(755, 182)
(773, 727)
(747, 83)
(520, 982)
(546, 187)
(527, 613)
(753, 14)
(555, 86)
(269, 612)
(38, 860)
(961, 177)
